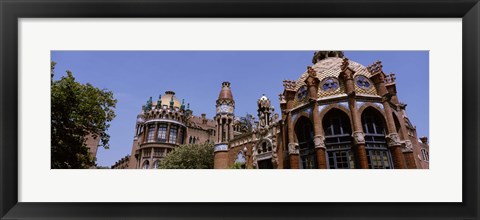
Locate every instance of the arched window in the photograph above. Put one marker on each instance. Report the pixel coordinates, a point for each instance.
(338, 140)
(240, 159)
(377, 152)
(146, 165)
(425, 156)
(172, 139)
(151, 133)
(162, 133)
(304, 132)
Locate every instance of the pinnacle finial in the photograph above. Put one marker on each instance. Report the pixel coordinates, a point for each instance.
(183, 104)
(289, 84)
(344, 64)
(311, 71)
(375, 67)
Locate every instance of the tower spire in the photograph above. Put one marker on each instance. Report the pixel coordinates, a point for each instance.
(224, 119)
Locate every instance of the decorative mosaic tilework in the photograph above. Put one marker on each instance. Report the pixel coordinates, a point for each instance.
(330, 67)
(369, 91)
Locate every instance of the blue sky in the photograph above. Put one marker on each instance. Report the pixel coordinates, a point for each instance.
(196, 76)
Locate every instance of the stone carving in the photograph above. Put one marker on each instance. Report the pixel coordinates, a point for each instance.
(293, 148)
(390, 78)
(358, 137)
(311, 72)
(344, 64)
(407, 146)
(319, 141)
(289, 85)
(393, 140)
(281, 97)
(375, 67)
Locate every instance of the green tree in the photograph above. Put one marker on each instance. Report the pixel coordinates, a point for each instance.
(192, 156)
(77, 110)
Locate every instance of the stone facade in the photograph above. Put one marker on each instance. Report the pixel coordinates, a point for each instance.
(163, 125)
(339, 114)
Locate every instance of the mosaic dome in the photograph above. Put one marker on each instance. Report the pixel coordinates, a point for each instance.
(328, 70)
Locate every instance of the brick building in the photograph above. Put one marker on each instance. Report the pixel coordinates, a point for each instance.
(164, 125)
(338, 114)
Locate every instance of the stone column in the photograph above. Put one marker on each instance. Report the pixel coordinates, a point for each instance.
(319, 138)
(293, 148)
(224, 131)
(407, 146)
(230, 129)
(358, 136)
(393, 140)
(218, 129)
(145, 132)
(178, 134)
(168, 133)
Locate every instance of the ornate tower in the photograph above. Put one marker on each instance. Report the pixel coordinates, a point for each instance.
(224, 119)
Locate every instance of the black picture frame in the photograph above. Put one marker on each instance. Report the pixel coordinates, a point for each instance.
(12, 10)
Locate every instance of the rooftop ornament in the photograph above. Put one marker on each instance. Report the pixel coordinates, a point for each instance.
(159, 101)
(390, 78)
(311, 71)
(375, 67)
(289, 85)
(344, 64)
(183, 104)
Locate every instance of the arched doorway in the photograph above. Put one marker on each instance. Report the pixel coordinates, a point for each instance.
(263, 155)
(374, 128)
(304, 132)
(338, 140)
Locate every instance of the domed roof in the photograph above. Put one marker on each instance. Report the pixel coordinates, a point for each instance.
(225, 92)
(263, 98)
(167, 97)
(329, 67)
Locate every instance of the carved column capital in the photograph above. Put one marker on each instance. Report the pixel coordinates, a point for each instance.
(393, 140)
(358, 137)
(293, 148)
(407, 146)
(319, 141)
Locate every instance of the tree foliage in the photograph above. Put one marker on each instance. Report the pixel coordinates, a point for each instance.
(246, 123)
(191, 156)
(77, 111)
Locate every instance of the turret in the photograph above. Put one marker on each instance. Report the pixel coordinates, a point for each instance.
(224, 118)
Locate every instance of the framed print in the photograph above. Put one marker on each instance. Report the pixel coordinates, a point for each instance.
(179, 75)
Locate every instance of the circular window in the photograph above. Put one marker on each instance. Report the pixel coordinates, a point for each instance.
(330, 84)
(302, 93)
(363, 82)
